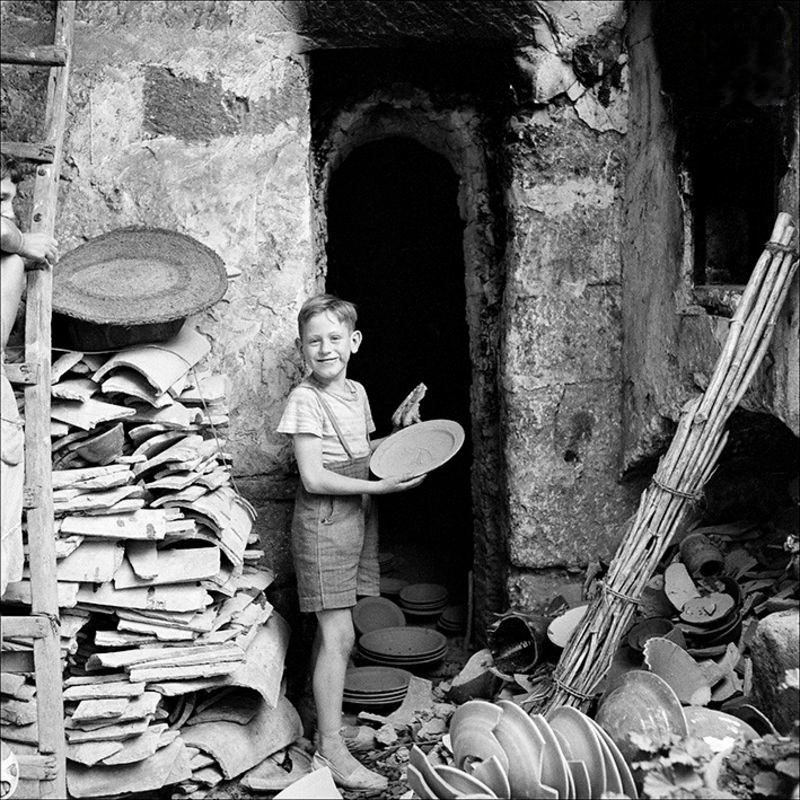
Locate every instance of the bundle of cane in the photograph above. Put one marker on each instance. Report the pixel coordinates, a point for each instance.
(689, 462)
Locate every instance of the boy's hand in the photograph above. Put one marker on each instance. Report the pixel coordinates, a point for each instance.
(39, 247)
(399, 484)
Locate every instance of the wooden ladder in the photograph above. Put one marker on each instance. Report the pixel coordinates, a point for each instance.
(44, 774)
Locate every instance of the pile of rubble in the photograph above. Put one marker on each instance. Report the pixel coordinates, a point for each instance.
(173, 656)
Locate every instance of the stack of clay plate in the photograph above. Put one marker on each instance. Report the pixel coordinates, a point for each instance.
(375, 686)
(514, 754)
(375, 613)
(406, 647)
(452, 620)
(391, 587)
(423, 599)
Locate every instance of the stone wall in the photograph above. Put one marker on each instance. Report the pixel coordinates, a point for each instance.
(193, 116)
(668, 354)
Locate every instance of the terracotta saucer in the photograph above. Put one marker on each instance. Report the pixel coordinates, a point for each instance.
(370, 680)
(376, 613)
(403, 641)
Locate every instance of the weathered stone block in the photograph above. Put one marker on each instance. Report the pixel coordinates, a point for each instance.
(562, 447)
(565, 339)
(776, 648)
(531, 591)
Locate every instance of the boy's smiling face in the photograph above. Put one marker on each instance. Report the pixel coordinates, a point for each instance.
(327, 344)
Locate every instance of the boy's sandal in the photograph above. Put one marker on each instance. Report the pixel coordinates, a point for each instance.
(360, 778)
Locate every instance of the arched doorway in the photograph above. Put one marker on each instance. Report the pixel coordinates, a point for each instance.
(395, 249)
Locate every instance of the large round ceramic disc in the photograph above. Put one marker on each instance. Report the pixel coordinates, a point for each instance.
(374, 613)
(399, 641)
(423, 594)
(132, 276)
(375, 680)
(417, 449)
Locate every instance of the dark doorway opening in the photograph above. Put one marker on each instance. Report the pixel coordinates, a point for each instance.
(395, 250)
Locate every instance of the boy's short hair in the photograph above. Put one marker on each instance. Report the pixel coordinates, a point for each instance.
(10, 168)
(343, 310)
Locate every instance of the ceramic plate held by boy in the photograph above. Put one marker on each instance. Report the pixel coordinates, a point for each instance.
(417, 449)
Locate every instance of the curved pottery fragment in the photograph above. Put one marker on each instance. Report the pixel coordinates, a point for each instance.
(472, 734)
(555, 772)
(580, 743)
(684, 676)
(462, 783)
(625, 774)
(524, 747)
(417, 784)
(491, 773)
(643, 703)
(436, 784)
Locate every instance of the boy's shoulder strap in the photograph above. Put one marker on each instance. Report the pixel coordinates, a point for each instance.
(331, 416)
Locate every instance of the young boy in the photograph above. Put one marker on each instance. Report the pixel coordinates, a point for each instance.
(334, 532)
(14, 247)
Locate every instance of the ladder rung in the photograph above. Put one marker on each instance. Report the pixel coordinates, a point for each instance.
(45, 55)
(41, 152)
(36, 768)
(35, 626)
(24, 372)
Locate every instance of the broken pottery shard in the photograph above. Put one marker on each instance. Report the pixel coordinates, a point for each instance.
(72, 477)
(132, 384)
(678, 585)
(140, 747)
(63, 364)
(20, 592)
(18, 712)
(475, 679)
(168, 765)
(239, 706)
(89, 753)
(143, 558)
(261, 670)
(10, 683)
(92, 561)
(270, 776)
(209, 389)
(97, 691)
(161, 365)
(79, 389)
(96, 500)
(107, 733)
(173, 566)
(169, 597)
(708, 609)
(87, 414)
(678, 669)
(144, 523)
(175, 416)
(107, 708)
(237, 748)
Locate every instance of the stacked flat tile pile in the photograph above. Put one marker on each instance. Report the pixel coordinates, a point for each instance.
(165, 625)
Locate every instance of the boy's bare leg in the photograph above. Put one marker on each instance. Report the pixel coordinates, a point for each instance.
(335, 639)
(332, 645)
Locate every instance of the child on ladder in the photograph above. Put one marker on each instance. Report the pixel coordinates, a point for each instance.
(334, 530)
(20, 251)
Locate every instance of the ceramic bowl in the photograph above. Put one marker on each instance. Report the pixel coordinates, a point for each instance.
(642, 703)
(561, 628)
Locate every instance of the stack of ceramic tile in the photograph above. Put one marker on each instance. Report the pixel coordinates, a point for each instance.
(18, 712)
(159, 602)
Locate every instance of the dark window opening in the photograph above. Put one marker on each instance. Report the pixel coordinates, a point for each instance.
(395, 249)
(730, 69)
